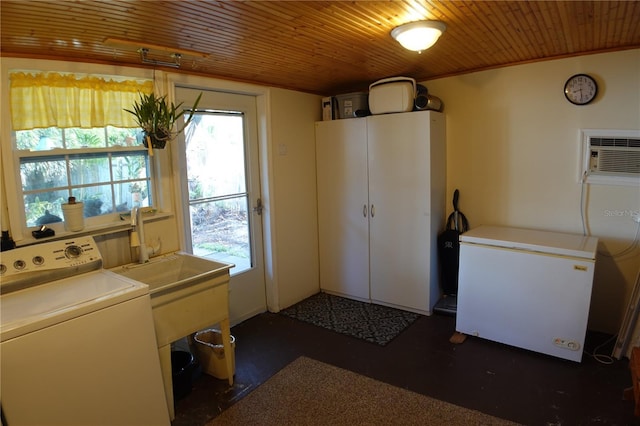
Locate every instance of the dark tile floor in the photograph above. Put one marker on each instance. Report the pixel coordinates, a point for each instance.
(506, 382)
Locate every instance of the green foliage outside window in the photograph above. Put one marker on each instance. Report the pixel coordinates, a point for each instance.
(88, 164)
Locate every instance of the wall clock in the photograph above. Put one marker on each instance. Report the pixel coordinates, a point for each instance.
(580, 89)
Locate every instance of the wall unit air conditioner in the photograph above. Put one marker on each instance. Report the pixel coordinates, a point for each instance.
(611, 157)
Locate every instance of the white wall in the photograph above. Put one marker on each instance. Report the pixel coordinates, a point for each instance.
(513, 151)
(295, 213)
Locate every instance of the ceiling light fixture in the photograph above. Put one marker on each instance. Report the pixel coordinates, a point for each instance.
(418, 35)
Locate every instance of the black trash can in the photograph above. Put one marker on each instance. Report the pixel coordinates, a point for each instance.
(183, 366)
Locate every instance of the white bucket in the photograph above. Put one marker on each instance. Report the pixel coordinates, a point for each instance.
(73, 216)
(210, 353)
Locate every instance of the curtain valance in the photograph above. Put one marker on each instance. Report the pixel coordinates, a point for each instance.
(65, 100)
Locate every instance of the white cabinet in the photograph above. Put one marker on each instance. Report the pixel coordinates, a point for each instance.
(381, 196)
(343, 207)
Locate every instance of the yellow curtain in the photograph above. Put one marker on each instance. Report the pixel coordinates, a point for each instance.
(64, 100)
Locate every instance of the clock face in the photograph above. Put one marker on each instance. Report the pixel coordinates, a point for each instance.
(580, 89)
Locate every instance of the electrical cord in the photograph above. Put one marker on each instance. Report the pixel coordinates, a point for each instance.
(626, 251)
(583, 210)
(583, 207)
(601, 358)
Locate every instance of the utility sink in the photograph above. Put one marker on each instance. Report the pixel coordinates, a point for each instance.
(188, 294)
(172, 270)
(163, 273)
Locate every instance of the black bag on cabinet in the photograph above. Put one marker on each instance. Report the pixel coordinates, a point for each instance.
(449, 249)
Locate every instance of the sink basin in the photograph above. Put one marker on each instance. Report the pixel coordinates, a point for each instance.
(188, 293)
(173, 271)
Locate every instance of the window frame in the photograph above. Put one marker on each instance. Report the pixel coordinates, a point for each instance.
(67, 155)
(12, 214)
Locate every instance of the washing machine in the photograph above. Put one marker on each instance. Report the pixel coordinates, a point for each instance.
(77, 342)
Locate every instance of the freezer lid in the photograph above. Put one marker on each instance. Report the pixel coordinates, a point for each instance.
(549, 242)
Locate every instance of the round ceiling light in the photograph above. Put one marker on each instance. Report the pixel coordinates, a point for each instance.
(418, 35)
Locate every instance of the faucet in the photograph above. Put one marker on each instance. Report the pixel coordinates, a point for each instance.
(137, 235)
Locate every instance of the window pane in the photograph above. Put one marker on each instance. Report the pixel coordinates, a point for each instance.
(97, 199)
(44, 207)
(85, 138)
(43, 174)
(105, 181)
(215, 156)
(39, 139)
(129, 166)
(132, 194)
(89, 168)
(220, 230)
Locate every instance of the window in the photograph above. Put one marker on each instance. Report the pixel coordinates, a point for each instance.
(105, 168)
(72, 138)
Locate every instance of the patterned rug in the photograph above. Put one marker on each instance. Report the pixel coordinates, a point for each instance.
(367, 321)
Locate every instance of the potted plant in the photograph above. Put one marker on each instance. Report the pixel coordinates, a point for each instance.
(157, 118)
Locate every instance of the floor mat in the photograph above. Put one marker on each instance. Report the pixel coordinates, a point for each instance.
(367, 321)
(308, 392)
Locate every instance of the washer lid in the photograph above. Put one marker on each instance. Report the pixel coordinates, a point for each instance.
(557, 243)
(43, 305)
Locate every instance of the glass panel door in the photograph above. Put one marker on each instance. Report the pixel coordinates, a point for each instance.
(217, 188)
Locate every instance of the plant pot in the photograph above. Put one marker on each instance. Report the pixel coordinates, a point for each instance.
(155, 142)
(73, 216)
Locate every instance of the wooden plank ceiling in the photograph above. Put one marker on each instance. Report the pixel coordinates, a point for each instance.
(322, 47)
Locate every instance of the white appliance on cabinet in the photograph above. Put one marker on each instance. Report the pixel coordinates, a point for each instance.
(381, 197)
(526, 288)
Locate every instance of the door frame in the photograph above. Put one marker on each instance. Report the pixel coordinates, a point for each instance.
(265, 160)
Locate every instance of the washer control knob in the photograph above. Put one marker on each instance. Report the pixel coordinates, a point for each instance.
(3, 268)
(73, 252)
(38, 260)
(19, 264)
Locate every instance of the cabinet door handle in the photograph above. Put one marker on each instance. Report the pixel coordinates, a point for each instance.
(373, 210)
(364, 210)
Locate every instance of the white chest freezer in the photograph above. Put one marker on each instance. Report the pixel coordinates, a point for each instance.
(526, 288)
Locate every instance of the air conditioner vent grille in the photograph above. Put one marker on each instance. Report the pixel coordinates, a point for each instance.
(616, 142)
(611, 161)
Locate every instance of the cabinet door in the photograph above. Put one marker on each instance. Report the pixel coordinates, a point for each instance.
(341, 156)
(399, 195)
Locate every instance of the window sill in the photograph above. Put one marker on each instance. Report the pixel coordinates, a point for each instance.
(95, 230)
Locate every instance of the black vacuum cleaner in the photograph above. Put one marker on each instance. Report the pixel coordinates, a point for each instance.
(449, 258)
